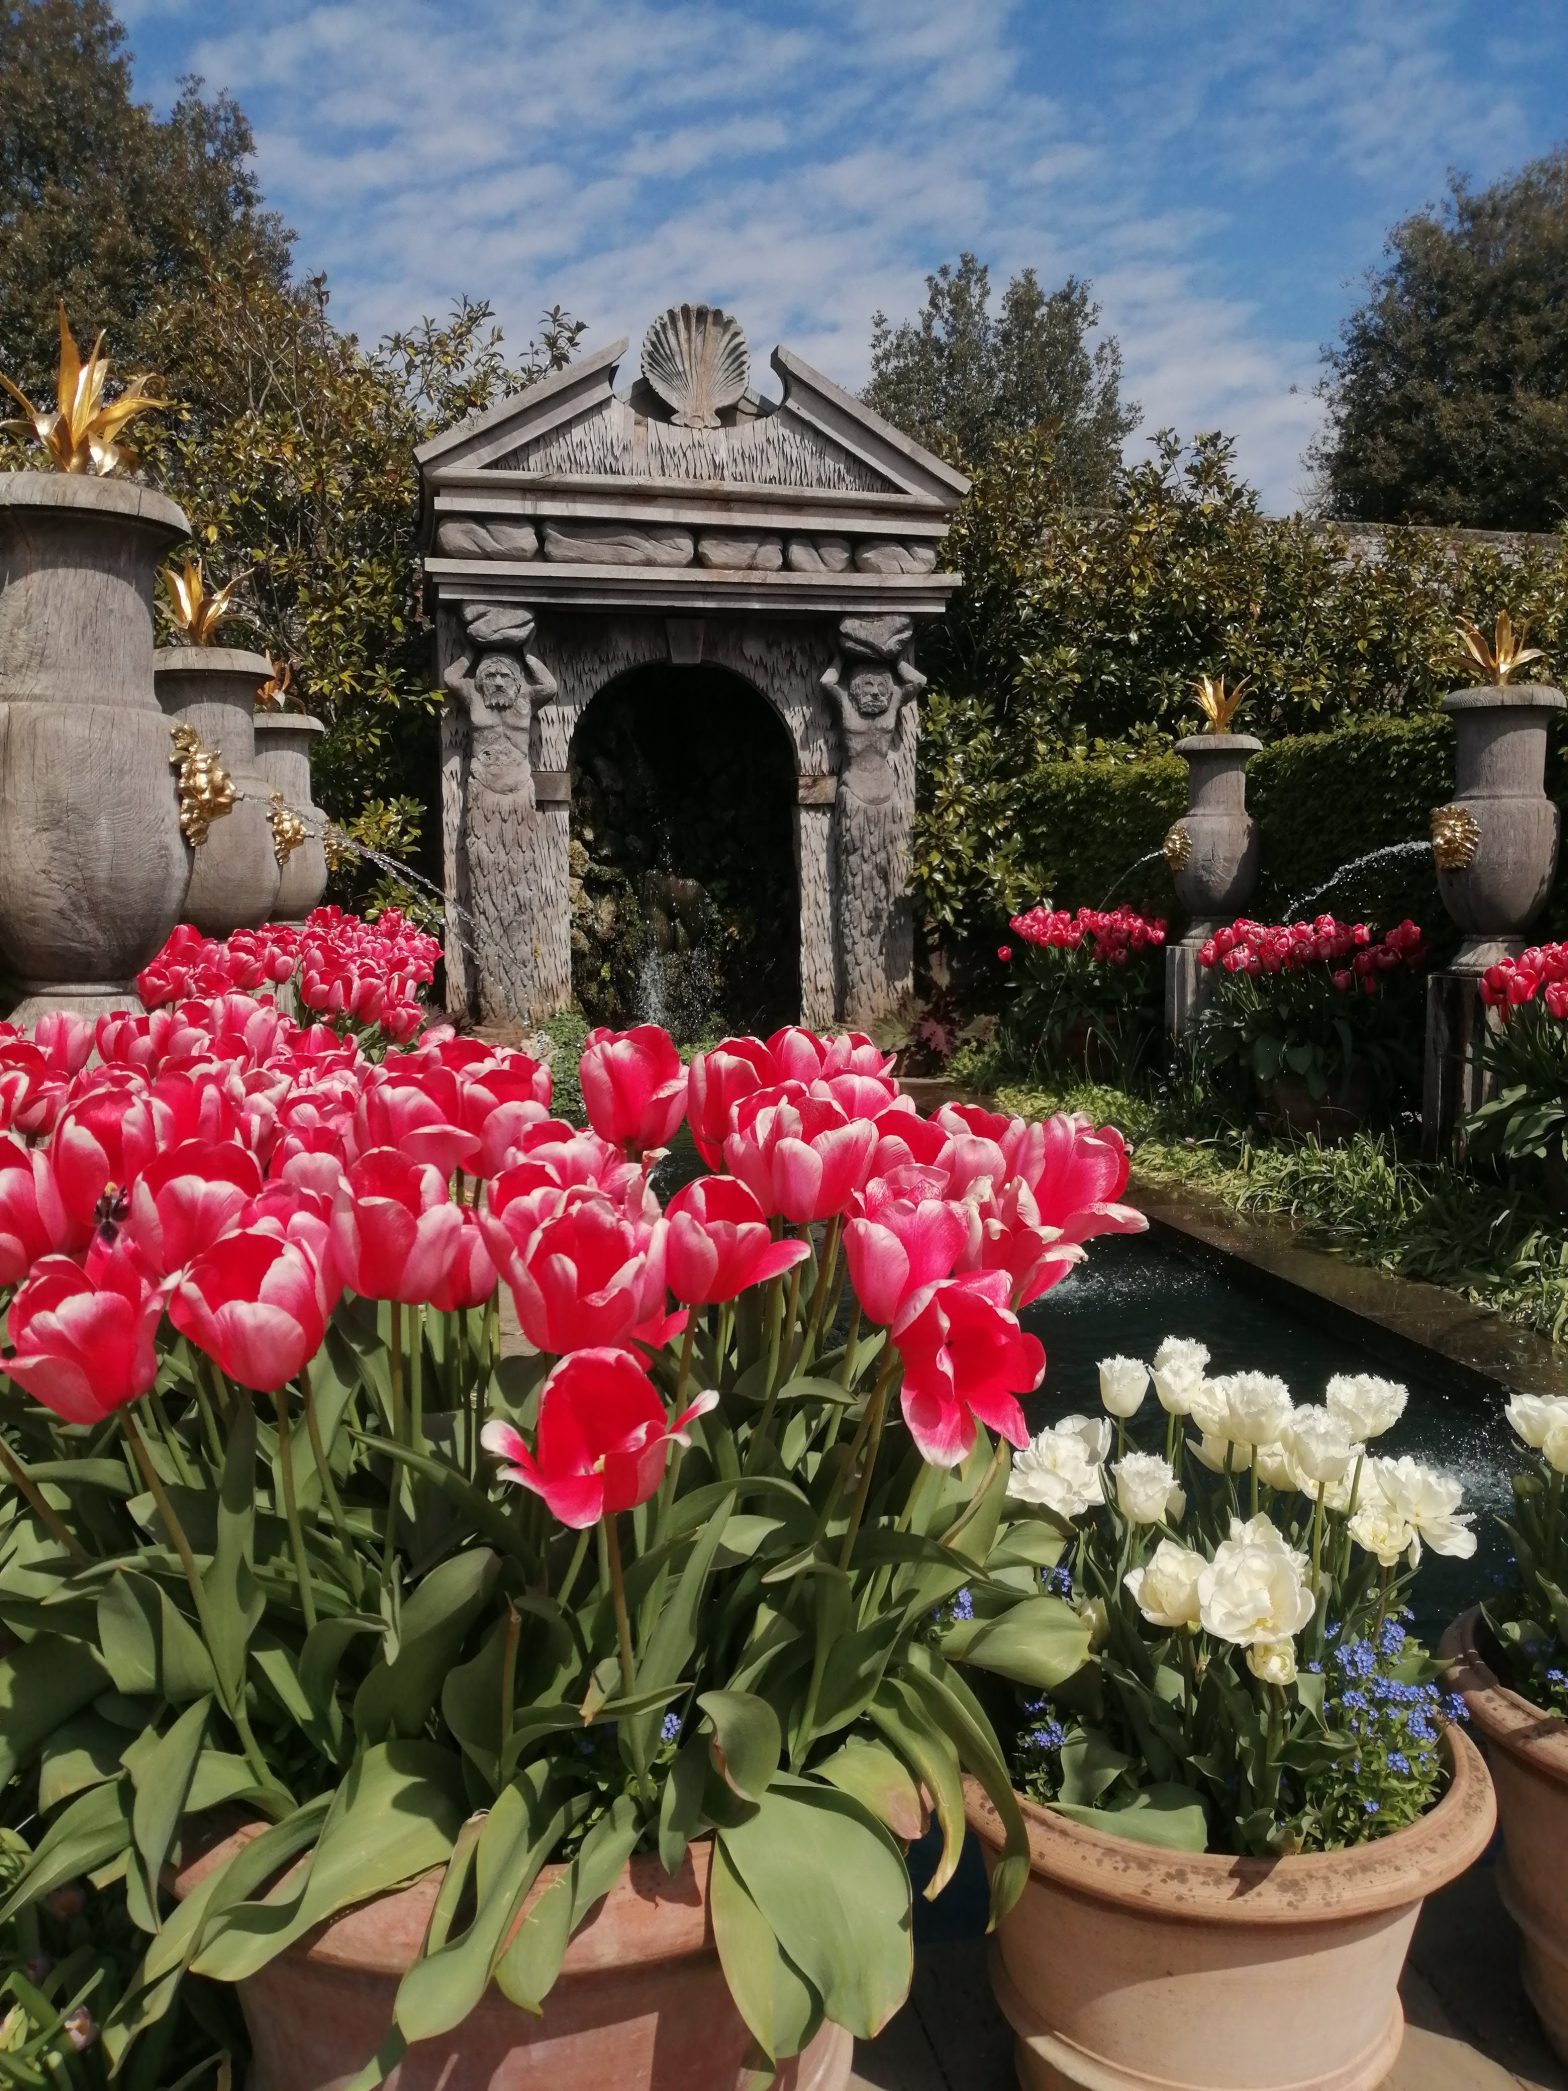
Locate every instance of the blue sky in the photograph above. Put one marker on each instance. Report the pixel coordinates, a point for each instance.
(1223, 170)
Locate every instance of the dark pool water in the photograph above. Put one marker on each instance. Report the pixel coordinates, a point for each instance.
(1135, 1289)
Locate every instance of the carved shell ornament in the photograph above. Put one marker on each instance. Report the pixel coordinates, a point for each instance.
(1177, 846)
(695, 357)
(1456, 836)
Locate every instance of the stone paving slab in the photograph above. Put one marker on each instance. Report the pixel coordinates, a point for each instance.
(1468, 2025)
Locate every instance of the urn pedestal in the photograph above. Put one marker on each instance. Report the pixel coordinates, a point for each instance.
(93, 866)
(283, 745)
(235, 872)
(1495, 843)
(1213, 855)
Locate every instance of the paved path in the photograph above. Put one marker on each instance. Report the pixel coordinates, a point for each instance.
(1469, 2027)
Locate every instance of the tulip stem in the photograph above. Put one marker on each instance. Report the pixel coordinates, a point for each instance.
(307, 1596)
(318, 1453)
(872, 1427)
(509, 1673)
(50, 1519)
(395, 1359)
(233, 1698)
(961, 1524)
(819, 1292)
(623, 1624)
(416, 1378)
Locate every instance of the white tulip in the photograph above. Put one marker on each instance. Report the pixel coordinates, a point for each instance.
(1255, 1408)
(1320, 1448)
(1255, 1588)
(1123, 1384)
(1554, 1449)
(1533, 1415)
(1274, 1467)
(1057, 1471)
(1146, 1489)
(1179, 1365)
(1165, 1589)
(1365, 1404)
(1181, 1354)
(1378, 1528)
(1273, 1661)
(1092, 1432)
(1428, 1502)
(1220, 1455)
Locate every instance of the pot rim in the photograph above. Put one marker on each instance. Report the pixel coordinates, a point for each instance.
(210, 660)
(298, 722)
(1218, 744)
(1318, 1887)
(355, 1938)
(67, 492)
(1504, 1716)
(1508, 696)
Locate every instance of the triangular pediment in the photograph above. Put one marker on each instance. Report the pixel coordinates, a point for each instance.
(573, 425)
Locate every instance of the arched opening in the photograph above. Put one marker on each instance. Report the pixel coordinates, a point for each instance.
(685, 909)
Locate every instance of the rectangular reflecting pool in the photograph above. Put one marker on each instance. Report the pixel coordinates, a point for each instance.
(1136, 1289)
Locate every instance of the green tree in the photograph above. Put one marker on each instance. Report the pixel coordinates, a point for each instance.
(290, 446)
(961, 379)
(1448, 388)
(103, 203)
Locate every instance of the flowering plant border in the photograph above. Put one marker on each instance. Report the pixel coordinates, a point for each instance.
(1086, 991)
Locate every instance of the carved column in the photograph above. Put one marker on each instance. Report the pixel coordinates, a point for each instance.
(872, 685)
(817, 883)
(501, 880)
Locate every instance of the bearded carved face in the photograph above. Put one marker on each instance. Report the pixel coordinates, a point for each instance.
(499, 681)
(872, 691)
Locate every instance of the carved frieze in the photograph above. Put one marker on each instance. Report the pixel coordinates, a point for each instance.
(818, 555)
(618, 544)
(886, 555)
(733, 550)
(459, 537)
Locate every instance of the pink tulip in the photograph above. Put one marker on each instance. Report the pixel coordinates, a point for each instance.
(394, 1227)
(419, 1112)
(634, 1087)
(603, 1438)
(716, 1081)
(257, 1303)
(469, 1277)
(899, 1246)
(905, 1139)
(186, 1197)
(32, 1223)
(1076, 1171)
(799, 1155)
(65, 1040)
(1009, 1238)
(583, 1278)
(104, 1137)
(84, 1345)
(965, 1361)
(719, 1244)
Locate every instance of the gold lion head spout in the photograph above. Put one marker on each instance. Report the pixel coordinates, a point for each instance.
(1456, 836)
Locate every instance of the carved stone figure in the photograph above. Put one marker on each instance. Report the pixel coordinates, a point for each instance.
(497, 692)
(869, 685)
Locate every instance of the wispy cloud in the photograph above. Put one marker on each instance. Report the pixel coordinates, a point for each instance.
(1218, 172)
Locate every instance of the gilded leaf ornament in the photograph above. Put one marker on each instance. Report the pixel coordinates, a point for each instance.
(81, 432)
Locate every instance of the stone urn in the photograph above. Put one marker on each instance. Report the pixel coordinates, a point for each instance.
(235, 871)
(283, 745)
(1495, 842)
(93, 864)
(640, 2004)
(1527, 1749)
(1212, 851)
(1126, 1965)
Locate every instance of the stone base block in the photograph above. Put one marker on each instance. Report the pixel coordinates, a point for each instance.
(91, 1000)
(1187, 988)
(1454, 1081)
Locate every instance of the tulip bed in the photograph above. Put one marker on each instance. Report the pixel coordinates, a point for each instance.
(1087, 987)
(1526, 1120)
(289, 1536)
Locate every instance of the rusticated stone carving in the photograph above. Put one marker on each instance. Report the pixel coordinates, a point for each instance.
(461, 538)
(497, 691)
(498, 624)
(817, 555)
(740, 553)
(871, 683)
(887, 556)
(617, 544)
(695, 357)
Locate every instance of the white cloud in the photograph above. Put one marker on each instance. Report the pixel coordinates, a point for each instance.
(805, 166)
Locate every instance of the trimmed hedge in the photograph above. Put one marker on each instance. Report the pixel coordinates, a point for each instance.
(1320, 799)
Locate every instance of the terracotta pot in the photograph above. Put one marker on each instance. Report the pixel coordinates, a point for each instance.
(1290, 1106)
(93, 866)
(640, 2004)
(283, 744)
(235, 873)
(1527, 1752)
(1124, 1967)
(1511, 826)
